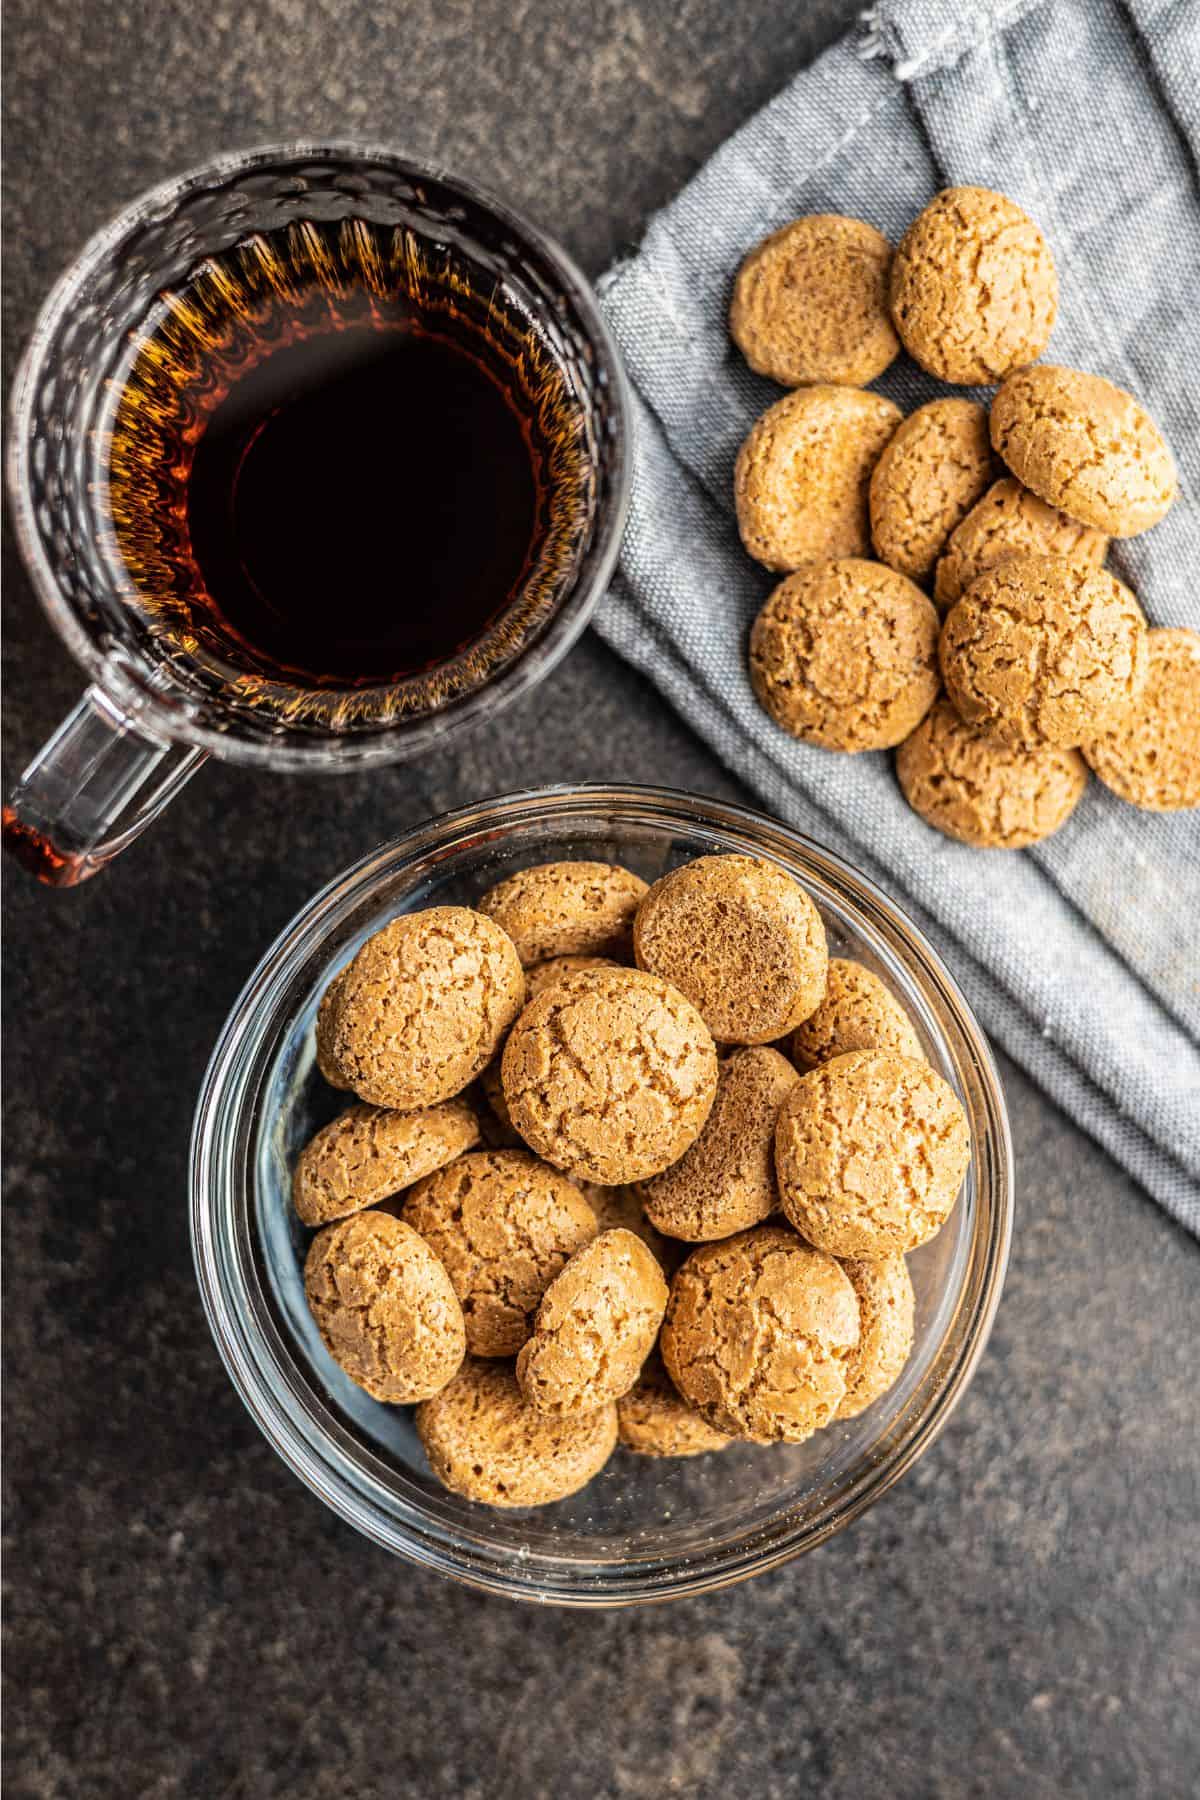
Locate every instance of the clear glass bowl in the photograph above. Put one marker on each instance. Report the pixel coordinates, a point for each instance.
(644, 1529)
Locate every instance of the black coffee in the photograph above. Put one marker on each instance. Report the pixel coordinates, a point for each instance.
(334, 472)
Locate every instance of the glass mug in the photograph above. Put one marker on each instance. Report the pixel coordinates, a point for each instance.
(100, 505)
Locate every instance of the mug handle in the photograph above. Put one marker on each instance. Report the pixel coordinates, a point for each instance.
(91, 789)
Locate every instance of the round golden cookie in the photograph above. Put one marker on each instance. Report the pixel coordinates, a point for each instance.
(886, 1313)
(1152, 758)
(369, 1153)
(326, 1015)
(502, 1225)
(927, 480)
(870, 1151)
(610, 1074)
(857, 1013)
(1041, 651)
(845, 655)
(596, 1325)
(810, 303)
(983, 792)
(1085, 446)
(1008, 520)
(485, 1441)
(422, 1008)
(384, 1306)
(726, 1181)
(974, 290)
(654, 1419)
(801, 479)
(622, 1207)
(743, 941)
(537, 979)
(758, 1334)
(566, 909)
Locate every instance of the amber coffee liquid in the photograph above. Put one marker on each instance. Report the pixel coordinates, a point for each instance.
(341, 459)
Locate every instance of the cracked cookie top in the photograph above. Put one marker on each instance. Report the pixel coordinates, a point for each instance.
(845, 655)
(930, 475)
(810, 303)
(1152, 756)
(566, 909)
(369, 1153)
(857, 1013)
(758, 1333)
(983, 792)
(485, 1441)
(1041, 650)
(384, 1306)
(503, 1225)
(610, 1074)
(596, 1325)
(974, 290)
(1008, 520)
(1085, 446)
(871, 1149)
(741, 939)
(422, 1008)
(801, 479)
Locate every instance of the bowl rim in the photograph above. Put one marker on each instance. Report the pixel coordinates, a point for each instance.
(311, 1449)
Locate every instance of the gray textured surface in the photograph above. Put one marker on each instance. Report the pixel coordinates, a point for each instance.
(1019, 1618)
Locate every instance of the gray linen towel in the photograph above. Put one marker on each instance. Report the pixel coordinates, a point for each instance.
(1080, 955)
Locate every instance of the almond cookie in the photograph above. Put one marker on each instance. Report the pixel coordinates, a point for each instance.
(741, 939)
(726, 1181)
(369, 1153)
(810, 303)
(1086, 447)
(566, 909)
(384, 1307)
(1010, 519)
(610, 1073)
(1152, 758)
(927, 480)
(758, 1335)
(886, 1310)
(485, 1441)
(983, 792)
(1040, 651)
(538, 978)
(596, 1325)
(857, 1013)
(801, 480)
(323, 1034)
(503, 1225)
(845, 655)
(871, 1150)
(423, 1007)
(654, 1419)
(974, 290)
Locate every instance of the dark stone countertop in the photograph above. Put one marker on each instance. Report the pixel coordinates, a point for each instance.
(185, 1620)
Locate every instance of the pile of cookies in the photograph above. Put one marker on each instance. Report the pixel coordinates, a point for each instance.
(624, 1163)
(945, 593)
